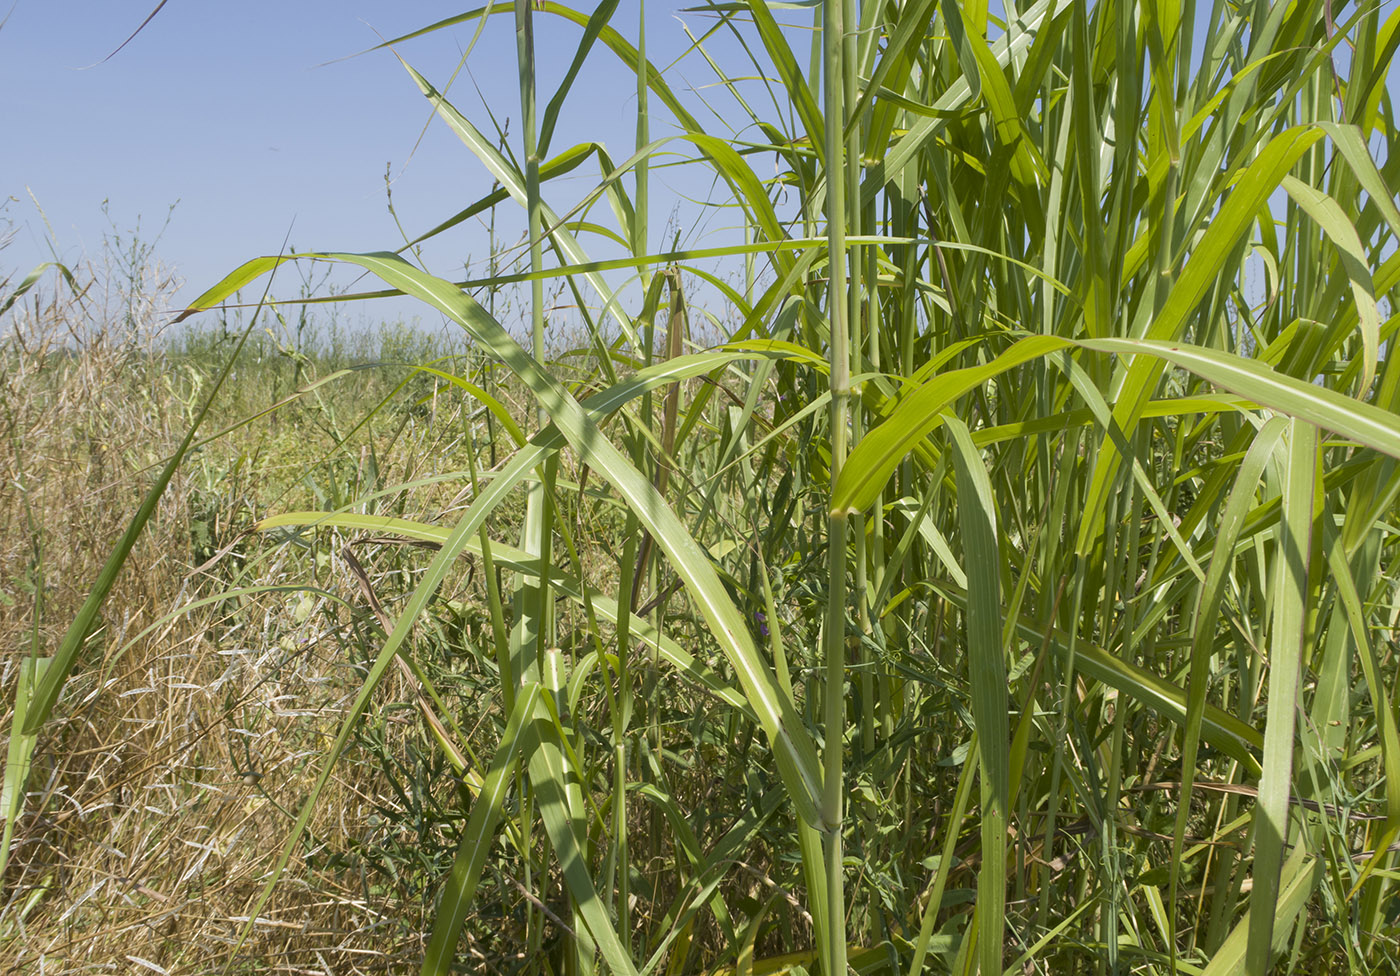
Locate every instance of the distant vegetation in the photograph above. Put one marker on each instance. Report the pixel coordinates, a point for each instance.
(1011, 588)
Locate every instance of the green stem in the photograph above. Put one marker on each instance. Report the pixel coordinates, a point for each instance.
(833, 779)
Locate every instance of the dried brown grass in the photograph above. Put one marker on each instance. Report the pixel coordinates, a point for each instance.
(161, 790)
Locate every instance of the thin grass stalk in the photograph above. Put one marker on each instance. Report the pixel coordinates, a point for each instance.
(500, 634)
(640, 231)
(1210, 596)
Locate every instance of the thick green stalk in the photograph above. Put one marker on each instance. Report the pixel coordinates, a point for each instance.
(833, 779)
(525, 46)
(859, 325)
(532, 599)
(532, 631)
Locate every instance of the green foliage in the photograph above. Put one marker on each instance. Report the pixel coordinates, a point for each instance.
(1008, 471)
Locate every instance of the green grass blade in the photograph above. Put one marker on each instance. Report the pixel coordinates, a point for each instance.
(1330, 217)
(1211, 596)
(7, 301)
(551, 775)
(1220, 729)
(986, 663)
(1290, 599)
(516, 183)
(795, 86)
(18, 753)
(596, 22)
(1301, 876)
(477, 836)
(1208, 262)
(881, 451)
(1367, 425)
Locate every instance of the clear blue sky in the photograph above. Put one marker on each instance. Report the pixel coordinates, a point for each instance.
(243, 115)
(233, 111)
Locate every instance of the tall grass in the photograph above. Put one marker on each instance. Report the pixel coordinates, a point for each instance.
(1023, 595)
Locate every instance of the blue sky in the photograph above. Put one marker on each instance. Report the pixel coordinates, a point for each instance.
(243, 117)
(253, 120)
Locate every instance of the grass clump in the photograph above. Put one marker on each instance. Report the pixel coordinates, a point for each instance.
(1012, 588)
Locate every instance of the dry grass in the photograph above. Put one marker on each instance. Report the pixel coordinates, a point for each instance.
(159, 797)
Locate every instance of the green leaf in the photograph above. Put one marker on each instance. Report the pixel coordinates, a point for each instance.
(517, 740)
(1290, 600)
(879, 453)
(796, 752)
(986, 661)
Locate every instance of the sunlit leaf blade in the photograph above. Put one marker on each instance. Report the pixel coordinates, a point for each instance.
(18, 754)
(987, 673)
(1209, 260)
(1210, 600)
(1301, 876)
(1290, 572)
(919, 413)
(550, 774)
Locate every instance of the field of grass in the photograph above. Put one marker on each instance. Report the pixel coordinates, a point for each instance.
(1010, 587)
